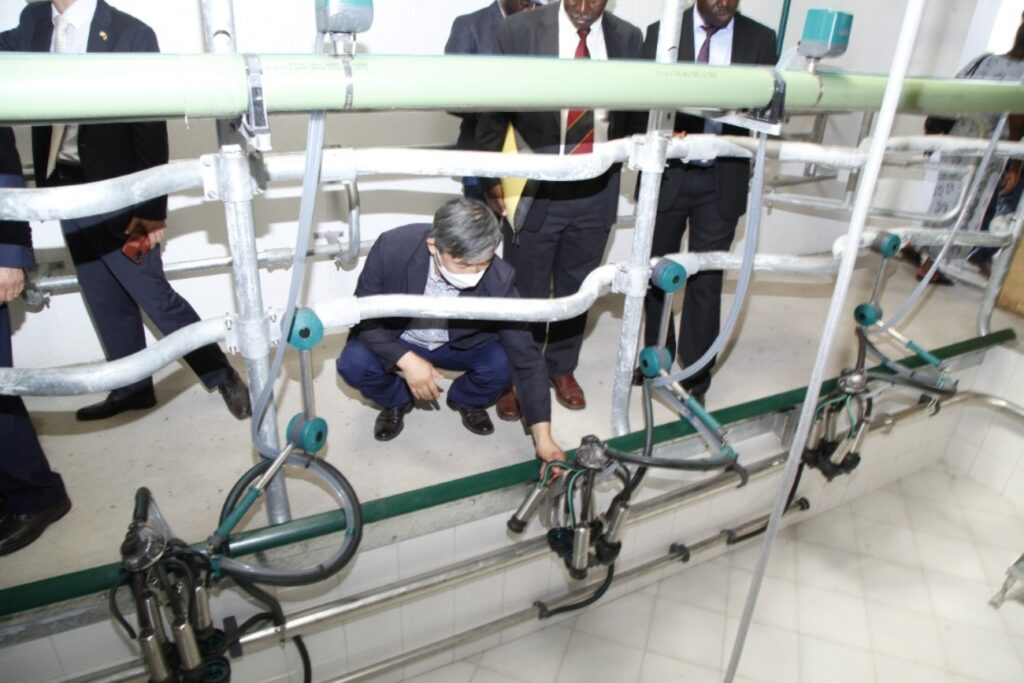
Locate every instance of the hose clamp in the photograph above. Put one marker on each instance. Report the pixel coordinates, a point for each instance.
(255, 122)
(648, 153)
(631, 280)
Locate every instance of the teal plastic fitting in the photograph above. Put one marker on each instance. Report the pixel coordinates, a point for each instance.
(887, 244)
(307, 435)
(826, 33)
(924, 354)
(668, 275)
(867, 314)
(307, 330)
(653, 360)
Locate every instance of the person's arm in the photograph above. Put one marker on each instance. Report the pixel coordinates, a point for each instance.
(15, 236)
(377, 335)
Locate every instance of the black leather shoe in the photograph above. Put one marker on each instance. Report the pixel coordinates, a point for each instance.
(19, 530)
(390, 422)
(236, 396)
(475, 420)
(116, 402)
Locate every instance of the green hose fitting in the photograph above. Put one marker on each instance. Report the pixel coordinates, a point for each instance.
(924, 354)
(668, 275)
(307, 435)
(307, 330)
(232, 520)
(653, 360)
(867, 315)
(703, 415)
(887, 244)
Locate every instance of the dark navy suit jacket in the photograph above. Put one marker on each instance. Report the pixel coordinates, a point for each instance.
(107, 150)
(15, 237)
(473, 34)
(398, 263)
(752, 43)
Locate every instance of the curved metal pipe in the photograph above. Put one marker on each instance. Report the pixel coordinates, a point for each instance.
(110, 375)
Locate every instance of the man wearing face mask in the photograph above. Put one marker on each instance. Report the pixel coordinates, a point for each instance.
(560, 237)
(453, 257)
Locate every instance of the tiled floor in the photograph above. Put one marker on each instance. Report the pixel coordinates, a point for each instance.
(892, 588)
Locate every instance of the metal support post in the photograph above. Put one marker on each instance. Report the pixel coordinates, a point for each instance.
(869, 181)
(653, 152)
(1000, 269)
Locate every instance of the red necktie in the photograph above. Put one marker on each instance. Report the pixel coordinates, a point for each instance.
(579, 125)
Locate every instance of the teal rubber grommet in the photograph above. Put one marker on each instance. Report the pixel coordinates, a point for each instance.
(668, 276)
(653, 360)
(867, 314)
(307, 435)
(887, 244)
(307, 330)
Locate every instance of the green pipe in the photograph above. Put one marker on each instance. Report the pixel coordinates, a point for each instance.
(98, 579)
(214, 85)
(783, 23)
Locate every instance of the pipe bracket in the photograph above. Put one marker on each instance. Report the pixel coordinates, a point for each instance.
(648, 153)
(242, 335)
(631, 280)
(256, 122)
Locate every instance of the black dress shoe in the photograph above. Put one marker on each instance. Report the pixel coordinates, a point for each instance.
(236, 396)
(475, 420)
(117, 401)
(390, 421)
(19, 530)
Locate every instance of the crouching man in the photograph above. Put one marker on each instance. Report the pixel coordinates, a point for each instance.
(394, 361)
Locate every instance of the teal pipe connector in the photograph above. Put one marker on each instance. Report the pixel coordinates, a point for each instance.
(653, 360)
(232, 520)
(307, 435)
(922, 353)
(867, 314)
(704, 416)
(307, 329)
(887, 244)
(668, 276)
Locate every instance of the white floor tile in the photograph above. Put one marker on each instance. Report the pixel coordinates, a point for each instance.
(770, 655)
(896, 670)
(974, 496)
(887, 542)
(905, 634)
(938, 518)
(776, 603)
(626, 621)
(980, 653)
(995, 561)
(895, 585)
(484, 675)
(782, 563)
(833, 529)
(995, 528)
(37, 661)
(535, 657)
(593, 659)
(659, 669)
(833, 616)
(930, 485)
(456, 672)
(821, 660)
(830, 569)
(705, 586)
(688, 633)
(881, 506)
(965, 601)
(949, 556)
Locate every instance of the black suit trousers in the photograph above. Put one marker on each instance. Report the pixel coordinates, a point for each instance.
(27, 484)
(694, 206)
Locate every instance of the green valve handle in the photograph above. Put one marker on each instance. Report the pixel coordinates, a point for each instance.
(307, 330)
(924, 354)
(668, 275)
(887, 244)
(653, 360)
(867, 314)
(232, 520)
(307, 435)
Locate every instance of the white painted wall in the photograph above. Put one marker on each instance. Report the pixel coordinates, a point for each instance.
(63, 333)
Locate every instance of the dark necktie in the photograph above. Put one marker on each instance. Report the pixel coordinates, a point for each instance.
(705, 50)
(579, 125)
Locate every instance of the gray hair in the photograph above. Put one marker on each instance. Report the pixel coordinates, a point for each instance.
(467, 230)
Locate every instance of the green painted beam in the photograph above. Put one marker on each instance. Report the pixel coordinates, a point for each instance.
(210, 85)
(95, 580)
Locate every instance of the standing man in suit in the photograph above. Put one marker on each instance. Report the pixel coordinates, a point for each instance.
(32, 496)
(116, 255)
(452, 257)
(709, 196)
(563, 235)
(473, 34)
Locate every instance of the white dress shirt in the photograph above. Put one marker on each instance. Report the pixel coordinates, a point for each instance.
(568, 39)
(79, 18)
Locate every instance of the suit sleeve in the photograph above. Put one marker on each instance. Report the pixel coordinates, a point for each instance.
(15, 236)
(529, 373)
(149, 138)
(461, 40)
(17, 38)
(380, 338)
(769, 50)
(492, 126)
(636, 121)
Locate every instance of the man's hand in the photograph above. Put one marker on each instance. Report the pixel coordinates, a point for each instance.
(496, 199)
(154, 229)
(420, 375)
(12, 282)
(545, 447)
(679, 134)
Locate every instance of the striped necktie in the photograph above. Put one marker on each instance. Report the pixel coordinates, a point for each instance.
(579, 125)
(60, 44)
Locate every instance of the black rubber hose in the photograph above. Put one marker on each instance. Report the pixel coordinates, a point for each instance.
(277, 614)
(141, 512)
(279, 577)
(122, 580)
(307, 666)
(545, 613)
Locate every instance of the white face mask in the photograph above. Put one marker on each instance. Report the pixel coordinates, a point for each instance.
(459, 280)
